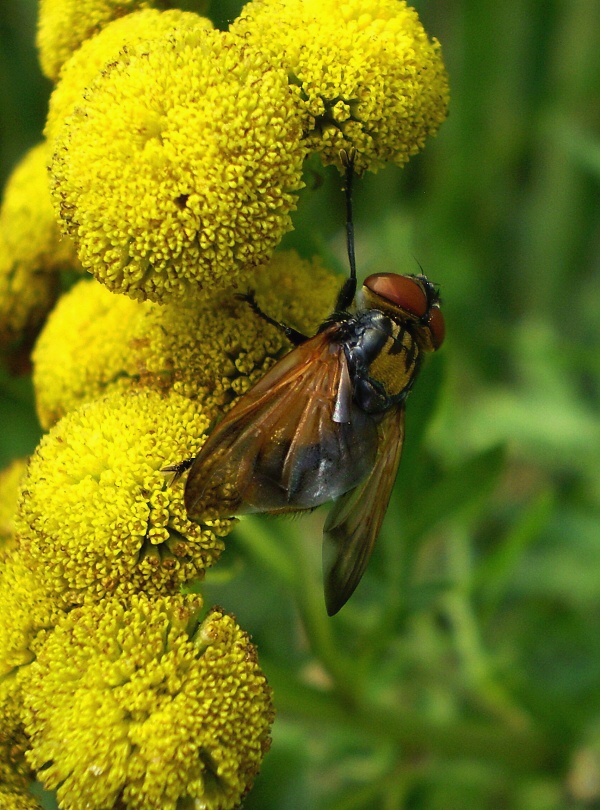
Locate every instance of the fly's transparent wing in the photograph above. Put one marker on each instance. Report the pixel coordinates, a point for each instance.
(292, 442)
(355, 519)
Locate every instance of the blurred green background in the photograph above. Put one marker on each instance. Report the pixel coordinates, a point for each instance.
(465, 671)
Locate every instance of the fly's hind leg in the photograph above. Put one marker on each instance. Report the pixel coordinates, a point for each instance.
(293, 335)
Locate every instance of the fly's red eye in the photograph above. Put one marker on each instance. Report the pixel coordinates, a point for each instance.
(437, 327)
(402, 291)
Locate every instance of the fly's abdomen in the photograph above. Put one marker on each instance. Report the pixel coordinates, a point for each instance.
(384, 361)
(395, 366)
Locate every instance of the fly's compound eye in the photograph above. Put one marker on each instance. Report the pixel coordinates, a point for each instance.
(402, 291)
(437, 327)
(413, 296)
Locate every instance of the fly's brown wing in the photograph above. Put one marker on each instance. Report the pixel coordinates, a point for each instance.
(355, 519)
(293, 441)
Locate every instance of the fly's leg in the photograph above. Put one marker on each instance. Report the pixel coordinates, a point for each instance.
(179, 469)
(346, 294)
(295, 337)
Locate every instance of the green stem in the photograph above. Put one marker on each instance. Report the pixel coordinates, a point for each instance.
(319, 626)
(477, 669)
(290, 557)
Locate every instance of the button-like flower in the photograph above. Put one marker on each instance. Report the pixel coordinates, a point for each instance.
(14, 779)
(28, 612)
(86, 63)
(64, 24)
(179, 170)
(96, 513)
(32, 252)
(363, 72)
(138, 703)
(10, 481)
(207, 349)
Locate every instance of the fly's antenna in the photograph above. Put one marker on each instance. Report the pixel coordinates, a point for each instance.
(348, 291)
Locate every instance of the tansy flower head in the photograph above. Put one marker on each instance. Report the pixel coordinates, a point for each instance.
(96, 513)
(179, 170)
(139, 705)
(363, 72)
(10, 480)
(95, 53)
(14, 793)
(207, 349)
(32, 251)
(64, 24)
(28, 612)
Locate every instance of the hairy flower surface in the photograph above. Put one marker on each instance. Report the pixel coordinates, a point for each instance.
(32, 250)
(95, 53)
(136, 702)
(96, 513)
(28, 612)
(210, 350)
(364, 73)
(14, 794)
(64, 24)
(10, 481)
(179, 170)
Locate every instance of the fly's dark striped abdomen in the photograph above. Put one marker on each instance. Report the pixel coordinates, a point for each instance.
(383, 359)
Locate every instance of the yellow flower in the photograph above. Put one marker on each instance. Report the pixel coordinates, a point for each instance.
(210, 350)
(363, 72)
(27, 613)
(14, 771)
(14, 794)
(179, 170)
(10, 480)
(94, 54)
(141, 704)
(96, 513)
(32, 251)
(64, 24)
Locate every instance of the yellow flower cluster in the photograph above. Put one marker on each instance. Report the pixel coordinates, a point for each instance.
(138, 702)
(175, 153)
(28, 612)
(10, 481)
(98, 516)
(32, 252)
(364, 73)
(63, 25)
(14, 779)
(208, 350)
(14, 794)
(179, 169)
(96, 53)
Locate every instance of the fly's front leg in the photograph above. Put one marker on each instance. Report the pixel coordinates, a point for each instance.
(293, 335)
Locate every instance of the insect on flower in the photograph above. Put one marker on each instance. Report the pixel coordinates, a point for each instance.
(326, 423)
